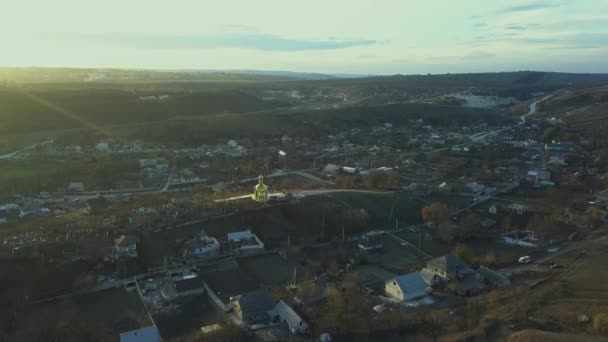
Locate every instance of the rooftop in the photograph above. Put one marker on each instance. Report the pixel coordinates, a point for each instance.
(147, 334)
(188, 284)
(229, 283)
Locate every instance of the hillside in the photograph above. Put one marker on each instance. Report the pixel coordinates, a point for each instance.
(34, 110)
(583, 109)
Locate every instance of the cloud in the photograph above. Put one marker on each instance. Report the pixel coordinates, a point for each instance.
(254, 41)
(515, 27)
(529, 7)
(478, 55)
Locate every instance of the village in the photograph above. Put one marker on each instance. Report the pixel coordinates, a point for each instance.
(403, 217)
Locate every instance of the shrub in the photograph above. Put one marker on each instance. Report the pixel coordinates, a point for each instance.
(600, 323)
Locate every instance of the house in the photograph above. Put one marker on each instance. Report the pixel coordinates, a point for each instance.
(30, 208)
(76, 187)
(443, 187)
(476, 188)
(225, 282)
(283, 313)
(602, 196)
(488, 223)
(253, 307)
(159, 163)
(430, 278)
(102, 146)
(244, 243)
(189, 286)
(98, 205)
(447, 267)
(558, 160)
(539, 177)
(372, 240)
(406, 287)
(147, 334)
(202, 246)
(562, 146)
(517, 208)
(493, 210)
(125, 246)
(520, 238)
(331, 169)
(454, 274)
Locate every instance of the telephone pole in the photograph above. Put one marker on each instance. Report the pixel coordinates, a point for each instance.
(323, 229)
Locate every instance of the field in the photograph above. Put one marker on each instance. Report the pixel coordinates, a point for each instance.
(399, 258)
(103, 316)
(435, 248)
(55, 173)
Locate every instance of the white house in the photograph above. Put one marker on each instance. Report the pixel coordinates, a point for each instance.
(493, 210)
(102, 146)
(518, 208)
(201, 246)
(283, 313)
(244, 242)
(76, 187)
(407, 287)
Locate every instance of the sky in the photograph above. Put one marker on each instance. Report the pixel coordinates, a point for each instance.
(329, 36)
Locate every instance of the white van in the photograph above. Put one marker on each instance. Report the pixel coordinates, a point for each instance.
(525, 259)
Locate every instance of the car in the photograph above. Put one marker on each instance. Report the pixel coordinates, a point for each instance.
(555, 266)
(525, 259)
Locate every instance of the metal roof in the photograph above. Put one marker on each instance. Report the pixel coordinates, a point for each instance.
(147, 334)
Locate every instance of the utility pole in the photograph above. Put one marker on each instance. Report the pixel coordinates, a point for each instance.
(396, 224)
(343, 239)
(323, 229)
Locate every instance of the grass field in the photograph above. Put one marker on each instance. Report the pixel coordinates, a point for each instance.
(55, 173)
(103, 315)
(585, 282)
(398, 258)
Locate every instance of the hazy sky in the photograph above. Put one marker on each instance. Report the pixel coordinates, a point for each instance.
(334, 36)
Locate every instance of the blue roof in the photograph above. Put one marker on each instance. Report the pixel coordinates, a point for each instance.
(147, 334)
(412, 285)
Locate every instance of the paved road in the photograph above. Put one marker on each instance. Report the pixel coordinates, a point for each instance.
(532, 109)
(315, 192)
(541, 263)
(166, 184)
(30, 147)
